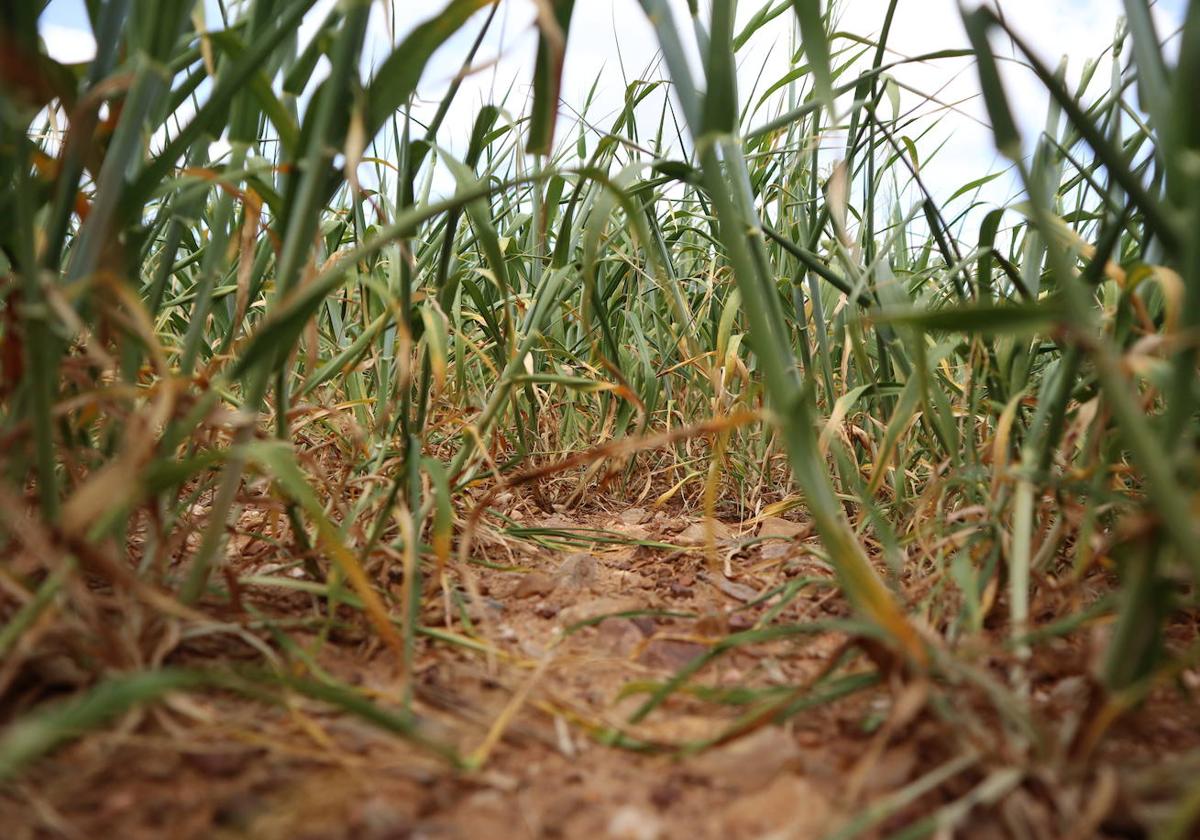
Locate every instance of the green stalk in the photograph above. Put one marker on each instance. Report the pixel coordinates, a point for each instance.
(41, 360)
(301, 224)
(727, 184)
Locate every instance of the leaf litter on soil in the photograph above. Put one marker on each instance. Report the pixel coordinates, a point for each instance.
(730, 747)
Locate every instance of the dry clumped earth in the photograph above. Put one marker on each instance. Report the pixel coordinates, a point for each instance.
(578, 637)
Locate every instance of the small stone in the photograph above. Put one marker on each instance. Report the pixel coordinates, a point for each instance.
(670, 654)
(740, 621)
(775, 526)
(160, 764)
(665, 795)
(500, 781)
(775, 551)
(544, 610)
(787, 807)
(632, 823)
(578, 571)
(480, 610)
(696, 534)
(219, 763)
(596, 607)
(381, 820)
(711, 623)
(1069, 692)
(238, 810)
(645, 624)
(531, 649)
(891, 770)
(633, 516)
(738, 591)
(751, 762)
(535, 583)
(619, 635)
(59, 669)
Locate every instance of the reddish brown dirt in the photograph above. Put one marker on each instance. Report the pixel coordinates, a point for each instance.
(217, 765)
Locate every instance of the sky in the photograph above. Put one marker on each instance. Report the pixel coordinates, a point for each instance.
(611, 40)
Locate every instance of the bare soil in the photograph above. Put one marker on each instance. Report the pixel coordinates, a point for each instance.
(553, 689)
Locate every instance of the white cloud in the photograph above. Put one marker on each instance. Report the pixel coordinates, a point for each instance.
(613, 43)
